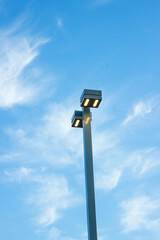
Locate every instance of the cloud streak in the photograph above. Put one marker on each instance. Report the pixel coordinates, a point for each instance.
(139, 110)
(107, 181)
(49, 195)
(140, 213)
(17, 51)
(53, 140)
(59, 22)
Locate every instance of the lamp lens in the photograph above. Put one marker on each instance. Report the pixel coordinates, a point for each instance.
(86, 102)
(95, 103)
(77, 123)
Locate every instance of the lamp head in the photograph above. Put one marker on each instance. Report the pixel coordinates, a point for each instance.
(76, 120)
(91, 98)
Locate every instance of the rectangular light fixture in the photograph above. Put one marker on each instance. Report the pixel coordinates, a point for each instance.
(76, 120)
(91, 98)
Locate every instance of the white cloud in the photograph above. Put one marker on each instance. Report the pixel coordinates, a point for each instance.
(140, 110)
(53, 141)
(53, 196)
(59, 22)
(107, 181)
(9, 157)
(19, 174)
(140, 213)
(17, 51)
(103, 141)
(143, 161)
(49, 194)
(54, 233)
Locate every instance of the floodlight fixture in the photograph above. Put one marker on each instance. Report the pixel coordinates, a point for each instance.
(76, 120)
(91, 98)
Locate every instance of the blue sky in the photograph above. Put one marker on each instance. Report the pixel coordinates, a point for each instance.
(49, 52)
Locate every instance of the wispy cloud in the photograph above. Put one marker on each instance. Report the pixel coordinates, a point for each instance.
(59, 22)
(140, 213)
(9, 157)
(49, 195)
(139, 110)
(20, 174)
(53, 140)
(107, 181)
(103, 141)
(143, 161)
(17, 51)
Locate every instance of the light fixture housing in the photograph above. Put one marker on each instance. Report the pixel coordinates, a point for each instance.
(76, 120)
(91, 98)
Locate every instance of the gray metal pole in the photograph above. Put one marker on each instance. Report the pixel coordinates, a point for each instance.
(89, 176)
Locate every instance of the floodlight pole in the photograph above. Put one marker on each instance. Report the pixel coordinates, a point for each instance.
(89, 175)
